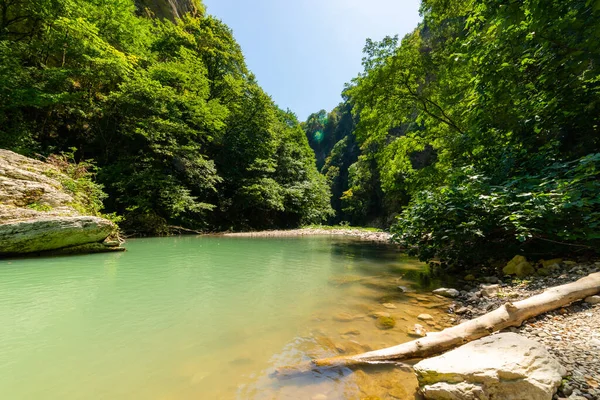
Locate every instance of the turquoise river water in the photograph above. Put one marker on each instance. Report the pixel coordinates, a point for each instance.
(206, 318)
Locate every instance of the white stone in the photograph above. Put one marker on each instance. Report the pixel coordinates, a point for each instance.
(490, 290)
(593, 300)
(418, 331)
(505, 366)
(446, 292)
(425, 317)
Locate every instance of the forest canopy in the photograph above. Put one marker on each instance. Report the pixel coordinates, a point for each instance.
(175, 123)
(476, 136)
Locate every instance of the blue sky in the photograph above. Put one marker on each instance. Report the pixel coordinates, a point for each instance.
(302, 52)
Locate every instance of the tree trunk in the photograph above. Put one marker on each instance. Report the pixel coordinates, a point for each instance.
(510, 314)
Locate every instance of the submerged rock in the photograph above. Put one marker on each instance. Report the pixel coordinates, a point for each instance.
(345, 317)
(385, 322)
(37, 213)
(378, 314)
(505, 366)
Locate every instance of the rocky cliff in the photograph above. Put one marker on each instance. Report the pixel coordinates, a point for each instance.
(38, 214)
(170, 9)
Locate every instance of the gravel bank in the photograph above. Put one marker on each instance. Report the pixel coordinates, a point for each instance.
(571, 334)
(355, 233)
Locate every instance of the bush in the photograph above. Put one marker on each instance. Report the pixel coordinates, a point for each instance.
(471, 221)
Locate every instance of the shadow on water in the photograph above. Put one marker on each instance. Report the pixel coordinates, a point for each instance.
(388, 259)
(368, 381)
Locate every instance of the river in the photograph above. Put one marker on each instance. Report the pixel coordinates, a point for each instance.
(207, 318)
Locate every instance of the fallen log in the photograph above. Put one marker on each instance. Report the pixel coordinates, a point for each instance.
(507, 315)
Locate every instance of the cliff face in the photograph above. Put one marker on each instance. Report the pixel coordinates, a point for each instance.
(169, 9)
(37, 213)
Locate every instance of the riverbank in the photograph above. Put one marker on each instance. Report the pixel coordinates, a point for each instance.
(571, 334)
(368, 234)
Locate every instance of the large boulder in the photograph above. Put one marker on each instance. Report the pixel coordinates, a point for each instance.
(38, 213)
(505, 366)
(39, 235)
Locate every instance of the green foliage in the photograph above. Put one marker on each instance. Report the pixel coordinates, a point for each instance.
(181, 133)
(470, 220)
(79, 182)
(330, 136)
(39, 207)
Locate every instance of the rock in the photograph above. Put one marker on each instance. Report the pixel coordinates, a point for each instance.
(389, 305)
(87, 248)
(405, 289)
(39, 235)
(567, 390)
(424, 317)
(418, 331)
(169, 9)
(491, 279)
(490, 290)
(385, 322)
(543, 272)
(343, 317)
(462, 310)
(503, 366)
(518, 266)
(446, 292)
(380, 314)
(469, 278)
(548, 263)
(39, 214)
(593, 300)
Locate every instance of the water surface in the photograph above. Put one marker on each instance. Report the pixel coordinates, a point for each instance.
(205, 318)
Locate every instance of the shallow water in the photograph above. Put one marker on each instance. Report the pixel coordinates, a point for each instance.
(206, 318)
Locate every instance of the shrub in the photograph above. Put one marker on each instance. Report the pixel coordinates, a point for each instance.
(471, 221)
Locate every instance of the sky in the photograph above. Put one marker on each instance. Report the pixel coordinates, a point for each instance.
(303, 51)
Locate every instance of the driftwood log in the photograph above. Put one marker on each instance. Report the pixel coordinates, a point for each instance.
(509, 314)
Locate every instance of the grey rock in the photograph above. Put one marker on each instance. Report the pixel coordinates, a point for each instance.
(491, 279)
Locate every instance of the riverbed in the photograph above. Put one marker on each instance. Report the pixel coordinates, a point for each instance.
(209, 318)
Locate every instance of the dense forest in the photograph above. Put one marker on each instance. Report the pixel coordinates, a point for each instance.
(476, 136)
(165, 109)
